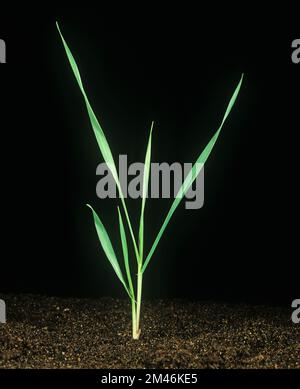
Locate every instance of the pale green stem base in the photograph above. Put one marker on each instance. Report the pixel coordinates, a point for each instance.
(133, 310)
(136, 308)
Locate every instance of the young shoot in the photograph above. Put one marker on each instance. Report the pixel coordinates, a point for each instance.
(133, 281)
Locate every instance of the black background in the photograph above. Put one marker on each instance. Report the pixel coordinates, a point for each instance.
(178, 67)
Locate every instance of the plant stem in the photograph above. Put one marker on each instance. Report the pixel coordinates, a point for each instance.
(139, 301)
(129, 225)
(133, 310)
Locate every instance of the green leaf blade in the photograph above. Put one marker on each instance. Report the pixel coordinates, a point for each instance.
(107, 247)
(100, 136)
(147, 165)
(192, 175)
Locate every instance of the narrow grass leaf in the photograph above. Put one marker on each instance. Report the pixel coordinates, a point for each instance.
(145, 191)
(107, 248)
(100, 136)
(192, 175)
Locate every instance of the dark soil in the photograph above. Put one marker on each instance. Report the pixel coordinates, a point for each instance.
(43, 332)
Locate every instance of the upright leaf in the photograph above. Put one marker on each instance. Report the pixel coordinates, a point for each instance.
(192, 175)
(145, 191)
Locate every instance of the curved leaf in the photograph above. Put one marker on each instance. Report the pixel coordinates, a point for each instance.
(100, 136)
(192, 175)
(107, 248)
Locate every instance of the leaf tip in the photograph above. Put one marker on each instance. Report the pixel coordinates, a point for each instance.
(89, 206)
(152, 125)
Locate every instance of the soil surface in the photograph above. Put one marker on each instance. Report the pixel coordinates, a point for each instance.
(48, 332)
